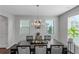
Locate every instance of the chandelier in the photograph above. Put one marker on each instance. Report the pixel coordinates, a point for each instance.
(37, 22)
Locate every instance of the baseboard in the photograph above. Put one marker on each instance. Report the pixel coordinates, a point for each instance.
(2, 48)
(71, 52)
(10, 46)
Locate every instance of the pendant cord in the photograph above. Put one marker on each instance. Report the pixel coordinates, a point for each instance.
(37, 11)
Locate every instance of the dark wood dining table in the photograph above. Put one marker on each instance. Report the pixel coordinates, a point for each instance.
(23, 43)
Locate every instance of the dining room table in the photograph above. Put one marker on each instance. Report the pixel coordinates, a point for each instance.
(25, 43)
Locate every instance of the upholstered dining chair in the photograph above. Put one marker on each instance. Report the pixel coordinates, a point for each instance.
(29, 38)
(23, 49)
(56, 49)
(40, 49)
(47, 37)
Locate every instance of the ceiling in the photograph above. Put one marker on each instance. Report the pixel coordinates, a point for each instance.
(42, 10)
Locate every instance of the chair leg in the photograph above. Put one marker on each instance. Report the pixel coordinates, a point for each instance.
(32, 51)
(48, 51)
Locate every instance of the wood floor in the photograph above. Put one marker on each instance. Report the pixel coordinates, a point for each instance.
(4, 51)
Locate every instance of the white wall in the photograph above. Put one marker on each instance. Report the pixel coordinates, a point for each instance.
(3, 31)
(13, 27)
(33, 31)
(11, 31)
(63, 21)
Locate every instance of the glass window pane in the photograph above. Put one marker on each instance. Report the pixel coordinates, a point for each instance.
(24, 26)
(49, 26)
(73, 28)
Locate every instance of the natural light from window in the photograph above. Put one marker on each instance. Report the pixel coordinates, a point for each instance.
(24, 26)
(73, 28)
(49, 26)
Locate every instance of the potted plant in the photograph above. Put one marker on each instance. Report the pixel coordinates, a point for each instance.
(73, 33)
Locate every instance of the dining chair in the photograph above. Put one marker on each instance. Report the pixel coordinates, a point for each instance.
(13, 49)
(29, 38)
(32, 49)
(47, 37)
(40, 49)
(23, 49)
(56, 49)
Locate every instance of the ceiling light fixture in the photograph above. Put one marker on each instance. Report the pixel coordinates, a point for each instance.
(37, 22)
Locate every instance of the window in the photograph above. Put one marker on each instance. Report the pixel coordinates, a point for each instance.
(24, 26)
(73, 28)
(49, 26)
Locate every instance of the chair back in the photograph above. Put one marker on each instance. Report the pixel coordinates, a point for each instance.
(29, 38)
(47, 37)
(56, 49)
(40, 49)
(23, 49)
